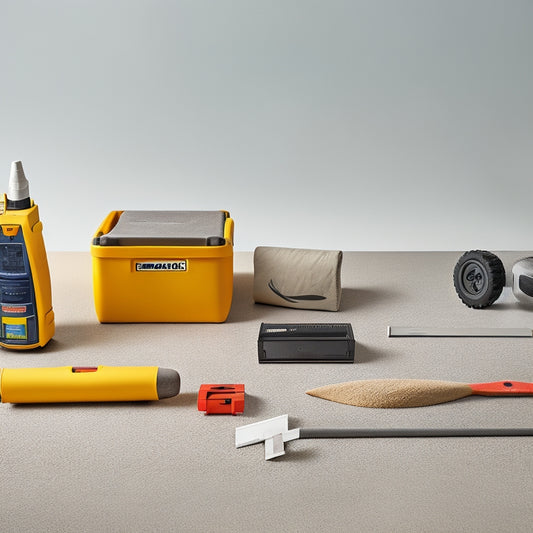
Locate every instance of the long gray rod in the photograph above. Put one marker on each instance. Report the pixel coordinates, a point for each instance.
(351, 433)
(398, 331)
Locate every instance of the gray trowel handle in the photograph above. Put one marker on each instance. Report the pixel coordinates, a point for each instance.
(351, 433)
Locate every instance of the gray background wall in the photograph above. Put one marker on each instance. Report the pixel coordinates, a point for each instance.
(362, 125)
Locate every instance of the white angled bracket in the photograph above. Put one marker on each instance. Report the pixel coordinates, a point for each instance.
(274, 432)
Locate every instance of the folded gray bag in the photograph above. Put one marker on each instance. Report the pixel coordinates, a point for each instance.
(298, 278)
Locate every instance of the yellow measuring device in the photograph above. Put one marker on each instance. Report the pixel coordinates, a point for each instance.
(87, 384)
(26, 314)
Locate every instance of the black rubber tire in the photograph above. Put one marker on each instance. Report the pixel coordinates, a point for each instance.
(479, 278)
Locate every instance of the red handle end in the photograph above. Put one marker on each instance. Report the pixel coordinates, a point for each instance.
(503, 388)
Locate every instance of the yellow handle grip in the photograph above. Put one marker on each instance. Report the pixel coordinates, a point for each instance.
(79, 384)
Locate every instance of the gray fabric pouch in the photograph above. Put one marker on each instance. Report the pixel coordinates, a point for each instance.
(298, 278)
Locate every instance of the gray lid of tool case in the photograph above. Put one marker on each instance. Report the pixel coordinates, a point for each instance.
(167, 228)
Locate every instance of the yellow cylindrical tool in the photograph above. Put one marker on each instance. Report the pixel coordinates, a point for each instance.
(87, 384)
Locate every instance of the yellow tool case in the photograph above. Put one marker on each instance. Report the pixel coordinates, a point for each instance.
(163, 266)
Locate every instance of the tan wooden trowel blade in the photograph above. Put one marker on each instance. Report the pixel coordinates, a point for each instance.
(392, 392)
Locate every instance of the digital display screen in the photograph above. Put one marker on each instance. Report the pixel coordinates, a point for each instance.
(12, 258)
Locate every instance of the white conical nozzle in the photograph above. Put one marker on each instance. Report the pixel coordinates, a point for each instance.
(18, 188)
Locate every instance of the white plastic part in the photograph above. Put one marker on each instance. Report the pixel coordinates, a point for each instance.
(274, 432)
(274, 447)
(523, 281)
(18, 187)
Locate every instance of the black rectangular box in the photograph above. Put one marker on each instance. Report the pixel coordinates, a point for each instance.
(306, 343)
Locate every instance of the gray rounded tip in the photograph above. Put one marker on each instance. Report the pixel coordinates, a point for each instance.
(168, 383)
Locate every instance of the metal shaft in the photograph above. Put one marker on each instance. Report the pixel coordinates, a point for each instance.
(397, 331)
(351, 433)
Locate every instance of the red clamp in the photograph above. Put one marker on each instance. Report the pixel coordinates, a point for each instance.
(221, 399)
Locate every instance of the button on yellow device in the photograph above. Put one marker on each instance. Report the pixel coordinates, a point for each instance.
(10, 230)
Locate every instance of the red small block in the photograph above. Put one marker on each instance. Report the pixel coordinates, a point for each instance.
(221, 399)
